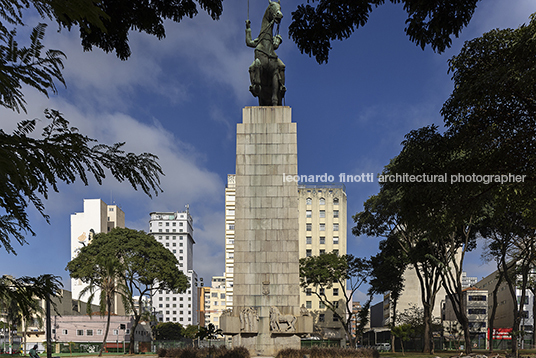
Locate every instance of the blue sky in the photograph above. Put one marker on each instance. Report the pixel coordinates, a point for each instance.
(181, 97)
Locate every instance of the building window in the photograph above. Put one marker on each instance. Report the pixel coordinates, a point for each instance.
(222, 295)
(322, 240)
(214, 294)
(335, 227)
(477, 311)
(335, 213)
(89, 332)
(321, 305)
(308, 253)
(308, 304)
(308, 201)
(321, 317)
(308, 213)
(308, 227)
(335, 201)
(308, 292)
(322, 252)
(335, 292)
(335, 240)
(335, 318)
(64, 331)
(231, 226)
(322, 201)
(308, 240)
(79, 332)
(481, 298)
(322, 291)
(322, 213)
(322, 227)
(336, 252)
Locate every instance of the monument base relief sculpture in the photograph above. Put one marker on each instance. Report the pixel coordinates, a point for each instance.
(266, 315)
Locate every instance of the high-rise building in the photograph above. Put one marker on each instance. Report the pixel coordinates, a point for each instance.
(97, 217)
(230, 200)
(322, 221)
(322, 228)
(176, 232)
(217, 301)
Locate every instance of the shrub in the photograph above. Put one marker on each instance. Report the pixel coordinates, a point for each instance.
(317, 352)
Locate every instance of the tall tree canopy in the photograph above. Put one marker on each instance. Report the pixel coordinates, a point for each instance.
(142, 265)
(430, 22)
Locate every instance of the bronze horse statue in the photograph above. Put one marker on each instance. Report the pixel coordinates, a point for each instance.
(267, 72)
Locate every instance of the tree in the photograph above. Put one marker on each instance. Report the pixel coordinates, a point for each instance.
(209, 332)
(190, 331)
(328, 270)
(106, 24)
(387, 276)
(29, 167)
(20, 297)
(143, 266)
(165, 331)
(383, 217)
(492, 109)
(403, 332)
(431, 22)
(104, 278)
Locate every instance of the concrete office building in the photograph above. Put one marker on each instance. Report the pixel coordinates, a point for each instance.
(176, 232)
(475, 305)
(322, 229)
(97, 217)
(505, 303)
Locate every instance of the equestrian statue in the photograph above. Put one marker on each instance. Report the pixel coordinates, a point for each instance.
(267, 72)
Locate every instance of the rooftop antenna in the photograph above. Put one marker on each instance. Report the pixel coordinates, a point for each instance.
(187, 208)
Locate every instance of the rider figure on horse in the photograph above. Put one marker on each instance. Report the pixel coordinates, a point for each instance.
(267, 72)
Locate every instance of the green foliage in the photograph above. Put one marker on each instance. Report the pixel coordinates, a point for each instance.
(27, 66)
(191, 352)
(142, 265)
(431, 22)
(168, 331)
(317, 352)
(209, 332)
(106, 24)
(30, 167)
(328, 270)
(191, 331)
(25, 291)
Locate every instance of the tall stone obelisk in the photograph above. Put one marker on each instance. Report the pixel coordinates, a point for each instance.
(266, 261)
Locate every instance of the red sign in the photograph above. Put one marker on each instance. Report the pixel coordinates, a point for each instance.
(501, 333)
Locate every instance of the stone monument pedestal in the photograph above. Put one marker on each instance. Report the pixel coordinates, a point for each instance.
(266, 312)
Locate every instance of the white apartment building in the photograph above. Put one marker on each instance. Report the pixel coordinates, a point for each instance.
(176, 232)
(230, 200)
(215, 303)
(97, 217)
(322, 229)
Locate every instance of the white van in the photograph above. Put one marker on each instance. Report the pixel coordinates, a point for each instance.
(383, 347)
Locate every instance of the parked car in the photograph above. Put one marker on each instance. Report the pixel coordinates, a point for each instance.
(383, 347)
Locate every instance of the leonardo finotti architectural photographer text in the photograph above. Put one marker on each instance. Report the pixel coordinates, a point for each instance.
(407, 178)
